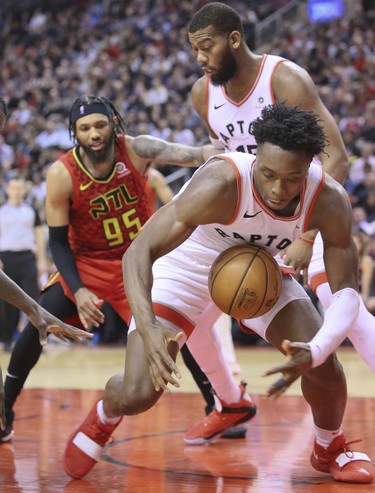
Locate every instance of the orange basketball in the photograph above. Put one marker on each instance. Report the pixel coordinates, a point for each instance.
(245, 281)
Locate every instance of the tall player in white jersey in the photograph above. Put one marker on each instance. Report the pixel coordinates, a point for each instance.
(166, 282)
(236, 86)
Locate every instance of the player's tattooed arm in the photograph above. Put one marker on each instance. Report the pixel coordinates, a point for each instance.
(160, 151)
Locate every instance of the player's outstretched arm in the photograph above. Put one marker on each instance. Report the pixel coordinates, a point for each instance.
(167, 228)
(38, 316)
(153, 149)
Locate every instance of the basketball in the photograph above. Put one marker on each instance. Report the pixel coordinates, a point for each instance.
(245, 281)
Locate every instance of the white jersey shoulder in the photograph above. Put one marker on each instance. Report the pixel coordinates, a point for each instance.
(230, 120)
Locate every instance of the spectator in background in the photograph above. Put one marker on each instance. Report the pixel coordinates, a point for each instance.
(364, 164)
(22, 252)
(366, 269)
(367, 130)
(6, 155)
(360, 222)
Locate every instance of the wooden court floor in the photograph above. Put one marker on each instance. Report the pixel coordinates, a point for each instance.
(149, 455)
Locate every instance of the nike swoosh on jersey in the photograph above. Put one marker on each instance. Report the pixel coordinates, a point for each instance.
(85, 186)
(251, 215)
(217, 107)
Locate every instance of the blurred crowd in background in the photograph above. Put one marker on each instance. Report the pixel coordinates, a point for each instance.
(137, 54)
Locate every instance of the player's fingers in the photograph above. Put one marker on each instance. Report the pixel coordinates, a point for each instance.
(158, 381)
(280, 386)
(291, 348)
(154, 379)
(82, 333)
(96, 317)
(171, 365)
(42, 337)
(284, 368)
(78, 334)
(83, 321)
(57, 333)
(163, 371)
(277, 389)
(285, 346)
(167, 376)
(177, 338)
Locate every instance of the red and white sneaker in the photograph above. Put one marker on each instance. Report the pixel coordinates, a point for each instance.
(85, 445)
(342, 463)
(218, 421)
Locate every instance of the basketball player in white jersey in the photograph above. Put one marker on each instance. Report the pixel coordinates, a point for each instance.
(236, 86)
(234, 199)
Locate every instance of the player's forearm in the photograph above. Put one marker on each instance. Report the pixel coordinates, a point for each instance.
(13, 294)
(210, 150)
(335, 164)
(41, 244)
(63, 257)
(338, 320)
(137, 278)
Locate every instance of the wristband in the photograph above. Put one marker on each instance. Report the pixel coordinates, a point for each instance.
(306, 240)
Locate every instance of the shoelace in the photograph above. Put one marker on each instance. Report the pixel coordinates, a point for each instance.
(98, 435)
(347, 450)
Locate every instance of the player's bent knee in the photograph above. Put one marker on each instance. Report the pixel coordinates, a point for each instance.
(137, 399)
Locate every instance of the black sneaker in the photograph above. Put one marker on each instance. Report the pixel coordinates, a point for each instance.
(7, 434)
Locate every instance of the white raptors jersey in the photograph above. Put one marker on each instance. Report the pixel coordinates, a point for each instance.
(253, 221)
(229, 119)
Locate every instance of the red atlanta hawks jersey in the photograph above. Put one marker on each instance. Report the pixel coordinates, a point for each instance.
(106, 214)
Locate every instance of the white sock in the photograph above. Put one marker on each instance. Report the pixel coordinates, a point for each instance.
(324, 438)
(103, 417)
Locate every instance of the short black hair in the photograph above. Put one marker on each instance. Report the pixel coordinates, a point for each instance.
(223, 18)
(3, 113)
(290, 128)
(91, 99)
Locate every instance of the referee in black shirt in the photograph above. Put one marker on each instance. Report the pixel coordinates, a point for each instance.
(22, 252)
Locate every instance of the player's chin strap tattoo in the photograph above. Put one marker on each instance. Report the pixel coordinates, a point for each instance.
(63, 257)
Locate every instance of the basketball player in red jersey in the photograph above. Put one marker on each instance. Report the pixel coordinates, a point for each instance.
(235, 87)
(43, 321)
(235, 199)
(96, 205)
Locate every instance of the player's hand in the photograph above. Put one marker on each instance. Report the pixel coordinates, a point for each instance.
(2, 409)
(299, 362)
(163, 369)
(46, 322)
(298, 255)
(88, 307)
